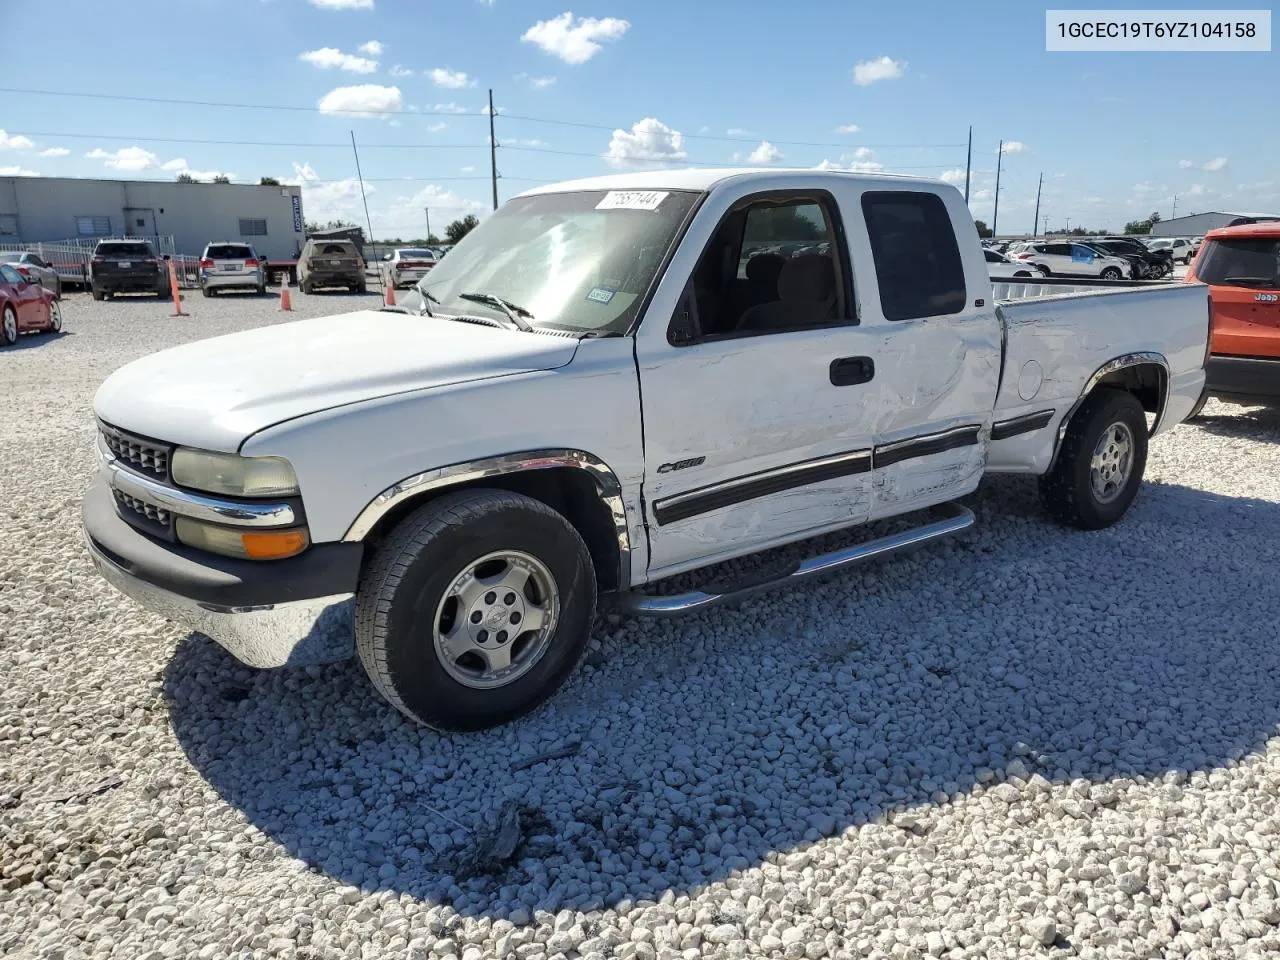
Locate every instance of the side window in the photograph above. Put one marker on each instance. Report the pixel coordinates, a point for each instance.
(1058, 249)
(10, 275)
(773, 265)
(36, 261)
(913, 245)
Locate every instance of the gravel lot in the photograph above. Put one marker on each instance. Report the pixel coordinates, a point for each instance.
(1024, 742)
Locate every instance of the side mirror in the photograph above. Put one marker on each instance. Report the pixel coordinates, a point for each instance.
(167, 257)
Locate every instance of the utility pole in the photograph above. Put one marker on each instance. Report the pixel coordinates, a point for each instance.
(995, 215)
(1175, 207)
(493, 153)
(365, 199)
(1035, 224)
(968, 164)
(1067, 229)
(427, 211)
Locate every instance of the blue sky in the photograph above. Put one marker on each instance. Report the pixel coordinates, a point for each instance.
(635, 84)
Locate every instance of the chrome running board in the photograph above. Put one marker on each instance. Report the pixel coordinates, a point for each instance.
(959, 518)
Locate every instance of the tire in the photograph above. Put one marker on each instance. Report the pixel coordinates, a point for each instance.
(57, 288)
(1070, 490)
(1022, 275)
(305, 287)
(55, 318)
(97, 294)
(262, 289)
(362, 287)
(1044, 271)
(207, 291)
(405, 595)
(1111, 273)
(9, 327)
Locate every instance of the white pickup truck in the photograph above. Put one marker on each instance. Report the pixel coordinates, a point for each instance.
(608, 382)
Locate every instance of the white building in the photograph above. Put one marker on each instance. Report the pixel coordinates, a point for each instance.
(1197, 224)
(48, 209)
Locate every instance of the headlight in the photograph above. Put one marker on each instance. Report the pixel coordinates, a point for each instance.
(233, 475)
(246, 544)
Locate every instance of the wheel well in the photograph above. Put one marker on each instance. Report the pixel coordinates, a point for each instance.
(1146, 381)
(569, 491)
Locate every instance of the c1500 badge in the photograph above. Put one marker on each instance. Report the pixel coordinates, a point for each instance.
(682, 464)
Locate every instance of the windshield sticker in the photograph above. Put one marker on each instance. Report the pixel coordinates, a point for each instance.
(632, 200)
(600, 294)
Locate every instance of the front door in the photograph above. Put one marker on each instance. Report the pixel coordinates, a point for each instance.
(759, 396)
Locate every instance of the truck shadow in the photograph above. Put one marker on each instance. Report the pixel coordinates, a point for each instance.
(638, 779)
(1239, 422)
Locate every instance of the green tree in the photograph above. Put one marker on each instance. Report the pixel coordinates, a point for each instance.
(460, 228)
(222, 178)
(185, 177)
(1143, 226)
(268, 182)
(983, 230)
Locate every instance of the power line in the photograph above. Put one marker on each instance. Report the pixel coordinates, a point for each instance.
(255, 143)
(299, 108)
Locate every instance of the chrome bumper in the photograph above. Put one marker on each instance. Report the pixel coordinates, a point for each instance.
(274, 635)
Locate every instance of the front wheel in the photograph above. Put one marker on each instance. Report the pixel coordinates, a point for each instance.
(9, 327)
(96, 293)
(1100, 463)
(1044, 271)
(475, 609)
(1111, 273)
(55, 317)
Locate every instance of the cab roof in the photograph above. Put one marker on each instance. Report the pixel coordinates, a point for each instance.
(704, 179)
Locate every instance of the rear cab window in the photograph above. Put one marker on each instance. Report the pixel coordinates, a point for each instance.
(1252, 262)
(124, 251)
(917, 259)
(337, 250)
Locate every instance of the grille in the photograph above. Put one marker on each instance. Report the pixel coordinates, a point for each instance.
(144, 456)
(157, 515)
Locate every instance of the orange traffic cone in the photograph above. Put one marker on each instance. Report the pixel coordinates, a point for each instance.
(284, 294)
(391, 295)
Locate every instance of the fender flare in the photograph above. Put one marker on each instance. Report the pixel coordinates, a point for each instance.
(470, 472)
(1108, 368)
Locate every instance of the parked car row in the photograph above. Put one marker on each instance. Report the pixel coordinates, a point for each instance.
(26, 305)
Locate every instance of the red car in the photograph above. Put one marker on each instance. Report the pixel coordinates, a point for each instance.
(25, 306)
(1241, 265)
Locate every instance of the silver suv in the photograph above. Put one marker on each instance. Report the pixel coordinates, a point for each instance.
(232, 266)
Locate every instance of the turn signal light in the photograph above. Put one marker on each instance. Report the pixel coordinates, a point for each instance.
(246, 544)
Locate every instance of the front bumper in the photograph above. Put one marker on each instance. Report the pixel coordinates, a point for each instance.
(265, 613)
(1244, 379)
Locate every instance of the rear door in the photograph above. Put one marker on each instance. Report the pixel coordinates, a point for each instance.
(27, 297)
(231, 259)
(1244, 277)
(939, 347)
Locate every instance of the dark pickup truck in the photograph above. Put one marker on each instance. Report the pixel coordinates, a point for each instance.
(127, 266)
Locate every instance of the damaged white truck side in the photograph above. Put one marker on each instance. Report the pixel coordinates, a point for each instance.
(609, 382)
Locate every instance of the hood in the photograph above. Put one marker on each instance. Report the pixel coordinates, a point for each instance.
(216, 393)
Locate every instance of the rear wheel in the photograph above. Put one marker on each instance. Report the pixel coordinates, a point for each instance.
(1100, 463)
(1111, 273)
(55, 317)
(475, 609)
(1044, 271)
(9, 327)
(305, 287)
(362, 287)
(96, 293)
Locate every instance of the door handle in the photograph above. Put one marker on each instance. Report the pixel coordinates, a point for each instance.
(847, 371)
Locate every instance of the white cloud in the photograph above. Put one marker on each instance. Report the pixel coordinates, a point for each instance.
(1214, 165)
(1014, 146)
(174, 165)
(863, 153)
(436, 127)
(468, 169)
(979, 195)
(537, 83)
(868, 72)
(373, 48)
(954, 175)
(18, 172)
(765, 153)
(329, 58)
(497, 111)
(15, 142)
(408, 210)
(828, 165)
(55, 152)
(866, 166)
(522, 143)
(180, 166)
(343, 4)
(574, 41)
(649, 140)
(322, 202)
(129, 159)
(1197, 190)
(1143, 187)
(1186, 164)
(451, 79)
(399, 71)
(450, 108)
(848, 128)
(362, 100)
(736, 132)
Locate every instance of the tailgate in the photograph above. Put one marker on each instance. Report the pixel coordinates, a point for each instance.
(1246, 322)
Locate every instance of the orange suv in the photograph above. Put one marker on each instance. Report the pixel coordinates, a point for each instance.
(1241, 265)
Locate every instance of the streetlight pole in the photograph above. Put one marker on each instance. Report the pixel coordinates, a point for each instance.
(995, 215)
(1035, 224)
(427, 212)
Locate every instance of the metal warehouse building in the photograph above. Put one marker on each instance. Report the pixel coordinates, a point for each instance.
(1197, 224)
(48, 209)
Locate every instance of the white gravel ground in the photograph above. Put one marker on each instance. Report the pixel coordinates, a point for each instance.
(1025, 742)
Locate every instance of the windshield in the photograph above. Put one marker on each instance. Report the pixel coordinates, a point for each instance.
(579, 261)
(1244, 263)
(229, 251)
(123, 250)
(415, 255)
